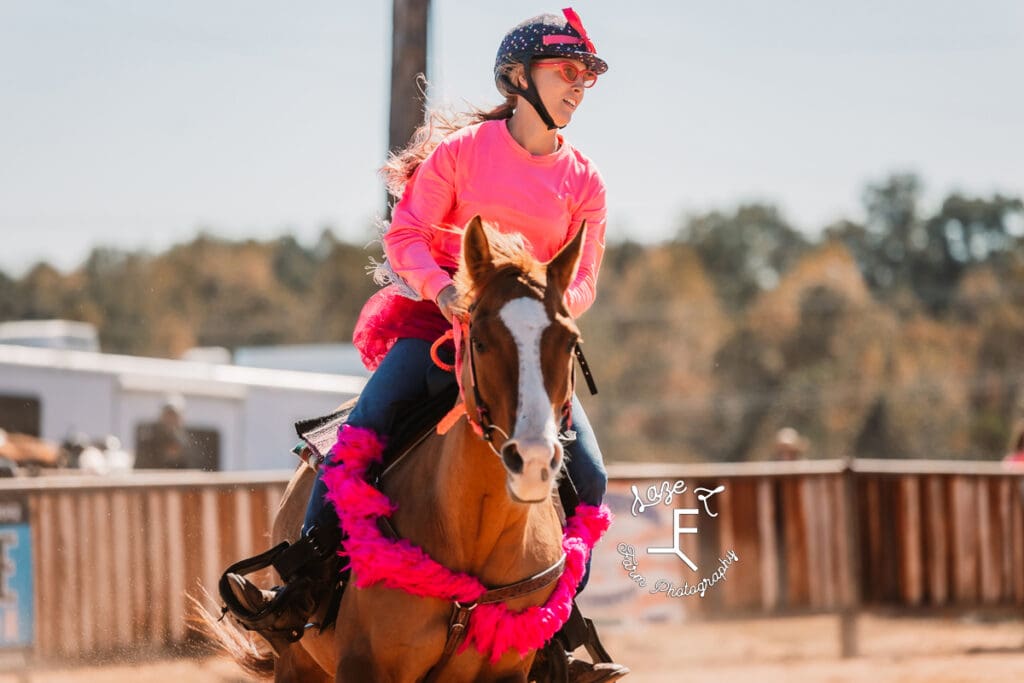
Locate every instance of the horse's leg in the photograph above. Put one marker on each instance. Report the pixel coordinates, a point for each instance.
(354, 668)
(519, 677)
(472, 666)
(356, 662)
(295, 665)
(389, 636)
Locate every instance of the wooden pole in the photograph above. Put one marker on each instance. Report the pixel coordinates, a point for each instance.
(848, 645)
(408, 61)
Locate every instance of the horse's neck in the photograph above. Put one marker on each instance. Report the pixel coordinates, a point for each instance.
(453, 502)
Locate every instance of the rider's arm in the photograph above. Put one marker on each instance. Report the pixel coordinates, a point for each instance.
(428, 199)
(592, 209)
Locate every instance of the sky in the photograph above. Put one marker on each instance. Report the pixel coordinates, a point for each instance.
(135, 124)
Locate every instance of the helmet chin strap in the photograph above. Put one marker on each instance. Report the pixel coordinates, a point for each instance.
(530, 94)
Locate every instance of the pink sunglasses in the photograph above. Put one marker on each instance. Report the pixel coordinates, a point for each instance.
(571, 73)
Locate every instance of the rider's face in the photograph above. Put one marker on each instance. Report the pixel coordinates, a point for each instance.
(561, 98)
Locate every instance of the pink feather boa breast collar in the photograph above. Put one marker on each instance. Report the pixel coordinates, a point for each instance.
(493, 629)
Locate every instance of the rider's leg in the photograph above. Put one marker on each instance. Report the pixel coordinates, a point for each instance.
(586, 467)
(400, 378)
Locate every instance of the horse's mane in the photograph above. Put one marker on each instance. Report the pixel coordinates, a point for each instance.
(509, 253)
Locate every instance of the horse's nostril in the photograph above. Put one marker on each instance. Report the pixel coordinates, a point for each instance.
(554, 463)
(510, 456)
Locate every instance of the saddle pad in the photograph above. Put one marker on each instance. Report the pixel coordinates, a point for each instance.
(321, 433)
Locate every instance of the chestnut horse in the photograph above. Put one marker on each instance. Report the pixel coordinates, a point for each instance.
(484, 508)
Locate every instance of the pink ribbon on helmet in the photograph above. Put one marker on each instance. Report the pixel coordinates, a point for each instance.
(575, 21)
(577, 24)
(561, 40)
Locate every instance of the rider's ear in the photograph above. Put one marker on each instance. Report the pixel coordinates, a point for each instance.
(562, 268)
(476, 250)
(518, 76)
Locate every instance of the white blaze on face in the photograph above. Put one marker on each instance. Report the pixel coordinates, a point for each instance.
(535, 429)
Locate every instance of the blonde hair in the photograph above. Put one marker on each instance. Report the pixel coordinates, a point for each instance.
(438, 124)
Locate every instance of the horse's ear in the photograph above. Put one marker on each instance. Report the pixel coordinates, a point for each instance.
(562, 268)
(476, 250)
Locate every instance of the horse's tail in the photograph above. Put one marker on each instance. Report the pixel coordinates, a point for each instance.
(231, 639)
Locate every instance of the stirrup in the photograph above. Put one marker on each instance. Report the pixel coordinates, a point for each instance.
(579, 630)
(280, 621)
(551, 663)
(311, 595)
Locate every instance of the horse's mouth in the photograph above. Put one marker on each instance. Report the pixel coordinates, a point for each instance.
(517, 499)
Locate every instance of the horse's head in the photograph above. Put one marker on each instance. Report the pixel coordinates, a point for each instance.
(519, 353)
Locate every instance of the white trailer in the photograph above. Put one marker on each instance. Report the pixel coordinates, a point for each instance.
(245, 414)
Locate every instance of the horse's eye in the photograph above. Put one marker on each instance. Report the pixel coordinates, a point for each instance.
(478, 345)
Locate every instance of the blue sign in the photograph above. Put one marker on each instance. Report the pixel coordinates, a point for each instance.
(16, 596)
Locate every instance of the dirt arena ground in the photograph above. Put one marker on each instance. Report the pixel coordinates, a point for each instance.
(751, 651)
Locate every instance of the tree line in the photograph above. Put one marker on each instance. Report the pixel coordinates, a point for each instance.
(901, 336)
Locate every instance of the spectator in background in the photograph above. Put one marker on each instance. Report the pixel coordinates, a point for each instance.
(789, 445)
(166, 445)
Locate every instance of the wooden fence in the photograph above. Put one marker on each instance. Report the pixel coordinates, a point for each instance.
(114, 558)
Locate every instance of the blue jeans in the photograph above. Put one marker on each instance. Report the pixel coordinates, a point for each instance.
(406, 375)
(401, 377)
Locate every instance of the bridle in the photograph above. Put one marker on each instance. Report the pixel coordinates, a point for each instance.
(482, 424)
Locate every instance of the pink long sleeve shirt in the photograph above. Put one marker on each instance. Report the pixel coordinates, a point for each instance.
(481, 169)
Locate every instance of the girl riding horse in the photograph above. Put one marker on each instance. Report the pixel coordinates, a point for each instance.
(512, 166)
